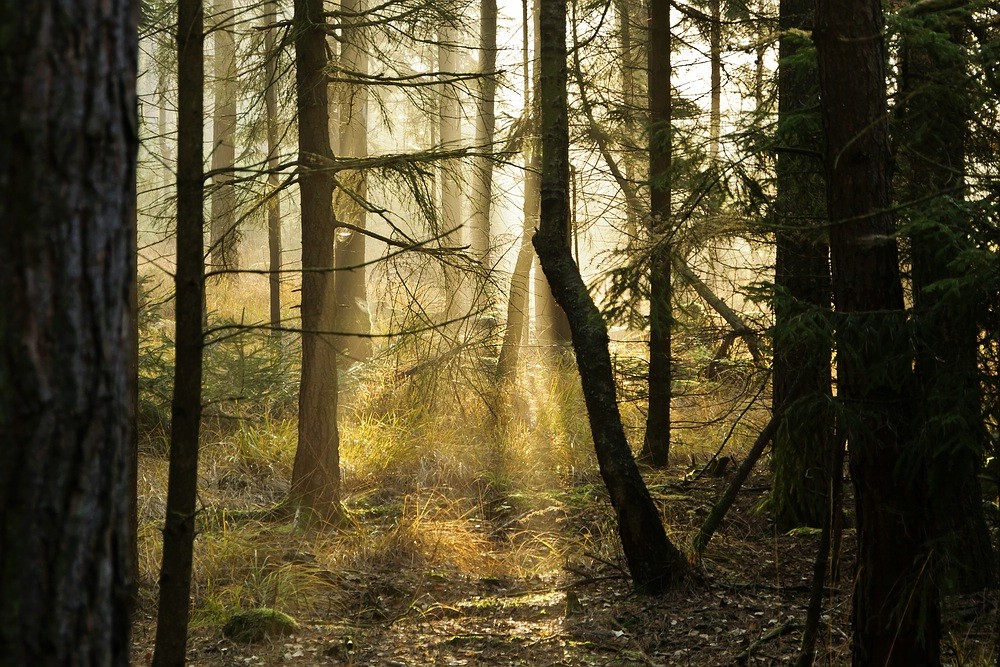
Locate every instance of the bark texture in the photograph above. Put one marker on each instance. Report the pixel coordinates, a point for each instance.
(896, 616)
(654, 563)
(68, 142)
(316, 471)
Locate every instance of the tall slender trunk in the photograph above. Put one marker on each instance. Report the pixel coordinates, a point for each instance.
(715, 58)
(351, 289)
(479, 229)
(178, 531)
(656, 444)
(450, 135)
(274, 201)
(225, 237)
(935, 112)
(316, 471)
(802, 347)
(896, 616)
(654, 563)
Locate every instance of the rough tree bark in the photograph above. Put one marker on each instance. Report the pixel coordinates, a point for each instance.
(68, 142)
(896, 615)
(656, 443)
(654, 563)
(179, 526)
(316, 471)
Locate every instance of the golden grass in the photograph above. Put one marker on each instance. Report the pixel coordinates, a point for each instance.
(440, 472)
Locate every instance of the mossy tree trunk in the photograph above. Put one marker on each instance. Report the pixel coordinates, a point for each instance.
(654, 563)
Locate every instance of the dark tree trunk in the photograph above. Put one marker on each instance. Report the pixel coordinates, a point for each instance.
(316, 471)
(801, 377)
(656, 444)
(653, 561)
(179, 526)
(896, 617)
(352, 292)
(934, 114)
(67, 229)
(274, 201)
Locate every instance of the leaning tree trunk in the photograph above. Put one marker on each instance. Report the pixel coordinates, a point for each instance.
(653, 561)
(316, 471)
(896, 616)
(67, 229)
(656, 444)
(935, 111)
(801, 371)
(179, 528)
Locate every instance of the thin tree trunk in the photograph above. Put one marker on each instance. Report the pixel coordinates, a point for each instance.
(351, 288)
(179, 528)
(274, 201)
(450, 130)
(316, 471)
(68, 150)
(654, 563)
(896, 616)
(715, 56)
(479, 229)
(225, 237)
(656, 443)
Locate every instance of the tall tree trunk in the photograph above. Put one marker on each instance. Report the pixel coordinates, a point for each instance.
(631, 69)
(896, 617)
(349, 255)
(653, 561)
(178, 530)
(67, 229)
(316, 471)
(225, 237)
(450, 134)
(715, 58)
(274, 201)
(935, 112)
(656, 444)
(479, 229)
(518, 297)
(801, 372)
(551, 325)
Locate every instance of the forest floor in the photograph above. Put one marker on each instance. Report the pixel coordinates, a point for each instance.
(422, 604)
